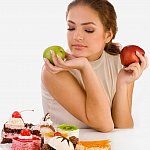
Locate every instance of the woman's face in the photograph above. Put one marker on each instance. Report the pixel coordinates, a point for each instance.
(86, 35)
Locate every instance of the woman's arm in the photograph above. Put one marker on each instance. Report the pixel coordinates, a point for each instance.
(122, 106)
(122, 102)
(90, 105)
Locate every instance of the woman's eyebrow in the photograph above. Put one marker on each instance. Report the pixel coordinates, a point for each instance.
(85, 23)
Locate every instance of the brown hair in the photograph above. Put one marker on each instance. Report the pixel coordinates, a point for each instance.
(108, 17)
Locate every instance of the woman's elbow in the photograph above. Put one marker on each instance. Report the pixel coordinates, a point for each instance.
(105, 128)
(125, 125)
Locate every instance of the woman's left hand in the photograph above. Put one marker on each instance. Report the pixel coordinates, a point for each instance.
(70, 63)
(133, 71)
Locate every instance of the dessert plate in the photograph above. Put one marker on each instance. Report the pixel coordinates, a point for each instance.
(5, 146)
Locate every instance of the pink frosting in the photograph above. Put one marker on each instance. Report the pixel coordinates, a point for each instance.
(34, 144)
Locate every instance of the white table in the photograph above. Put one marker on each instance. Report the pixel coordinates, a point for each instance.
(121, 139)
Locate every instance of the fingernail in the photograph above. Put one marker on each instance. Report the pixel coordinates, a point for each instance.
(58, 56)
(51, 51)
(137, 53)
(44, 59)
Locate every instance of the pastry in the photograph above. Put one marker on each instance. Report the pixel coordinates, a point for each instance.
(12, 127)
(93, 145)
(59, 143)
(70, 130)
(46, 125)
(26, 141)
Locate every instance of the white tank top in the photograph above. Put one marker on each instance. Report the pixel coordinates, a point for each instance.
(106, 69)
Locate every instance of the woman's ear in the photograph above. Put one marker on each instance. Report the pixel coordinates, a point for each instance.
(108, 36)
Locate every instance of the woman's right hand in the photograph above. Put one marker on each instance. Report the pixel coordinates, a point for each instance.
(70, 63)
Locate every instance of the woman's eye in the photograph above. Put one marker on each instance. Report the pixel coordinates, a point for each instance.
(71, 29)
(89, 31)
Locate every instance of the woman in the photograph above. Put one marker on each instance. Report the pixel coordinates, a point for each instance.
(90, 88)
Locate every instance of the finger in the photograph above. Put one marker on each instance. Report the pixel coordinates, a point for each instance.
(69, 56)
(137, 65)
(53, 69)
(47, 62)
(57, 60)
(50, 67)
(135, 70)
(132, 65)
(54, 57)
(145, 64)
(143, 61)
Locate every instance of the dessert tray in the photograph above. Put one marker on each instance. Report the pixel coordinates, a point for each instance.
(16, 134)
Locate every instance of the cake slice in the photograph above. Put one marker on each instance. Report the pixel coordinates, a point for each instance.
(12, 127)
(60, 143)
(70, 130)
(26, 141)
(94, 145)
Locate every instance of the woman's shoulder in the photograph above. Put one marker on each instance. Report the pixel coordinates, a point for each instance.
(53, 81)
(48, 76)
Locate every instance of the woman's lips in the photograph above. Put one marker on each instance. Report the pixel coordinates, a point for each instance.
(78, 46)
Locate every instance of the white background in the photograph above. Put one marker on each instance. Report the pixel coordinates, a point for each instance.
(27, 27)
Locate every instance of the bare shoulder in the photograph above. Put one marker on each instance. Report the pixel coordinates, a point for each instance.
(59, 84)
(66, 90)
(48, 77)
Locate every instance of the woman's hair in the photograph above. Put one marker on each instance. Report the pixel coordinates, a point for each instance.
(107, 16)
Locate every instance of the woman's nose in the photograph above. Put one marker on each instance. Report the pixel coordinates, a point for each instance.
(78, 35)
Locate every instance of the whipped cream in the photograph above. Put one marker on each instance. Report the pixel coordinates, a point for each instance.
(25, 137)
(69, 133)
(46, 122)
(14, 123)
(35, 127)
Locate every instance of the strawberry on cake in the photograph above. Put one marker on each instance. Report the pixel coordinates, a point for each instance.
(35, 129)
(12, 127)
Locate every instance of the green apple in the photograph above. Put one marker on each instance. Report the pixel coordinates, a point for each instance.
(58, 50)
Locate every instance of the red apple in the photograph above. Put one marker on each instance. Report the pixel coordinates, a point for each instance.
(128, 54)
